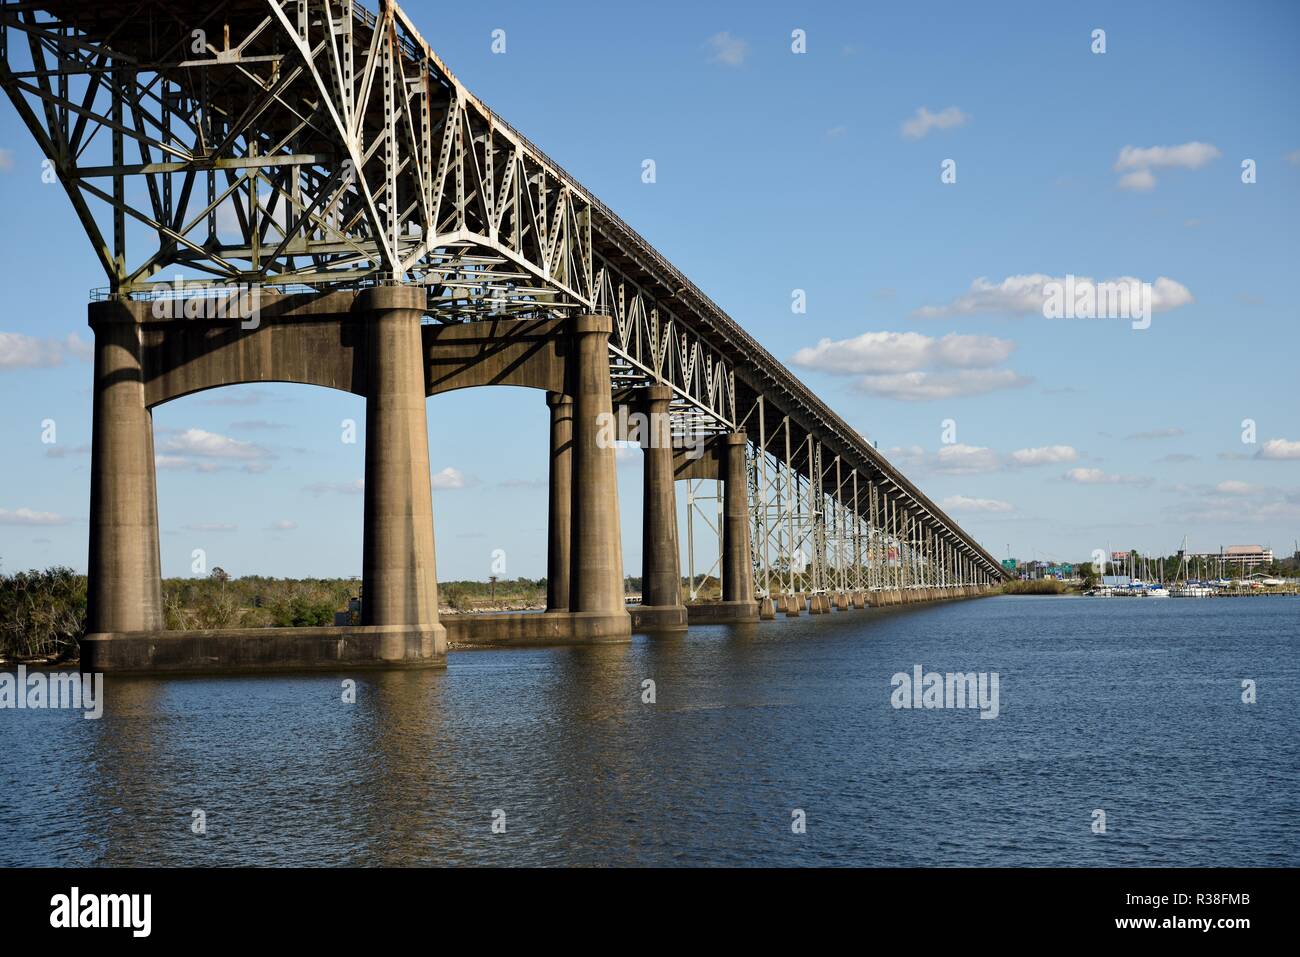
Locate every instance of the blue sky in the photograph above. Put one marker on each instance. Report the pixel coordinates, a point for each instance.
(819, 171)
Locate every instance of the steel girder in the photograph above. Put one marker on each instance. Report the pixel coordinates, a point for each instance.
(292, 142)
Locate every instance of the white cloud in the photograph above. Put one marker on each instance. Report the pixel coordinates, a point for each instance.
(213, 446)
(1139, 181)
(1192, 155)
(1233, 487)
(283, 525)
(1087, 476)
(197, 450)
(965, 459)
(18, 351)
(1293, 157)
(728, 50)
(959, 459)
(63, 451)
(971, 352)
(1098, 477)
(962, 503)
(1140, 160)
(1045, 455)
(1025, 294)
(924, 121)
(449, 478)
(27, 516)
(905, 455)
(884, 352)
(6, 160)
(915, 367)
(1279, 449)
(1166, 293)
(924, 386)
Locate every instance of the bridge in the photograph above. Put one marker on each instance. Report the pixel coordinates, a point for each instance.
(346, 214)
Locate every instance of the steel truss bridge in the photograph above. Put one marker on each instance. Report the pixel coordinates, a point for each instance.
(315, 144)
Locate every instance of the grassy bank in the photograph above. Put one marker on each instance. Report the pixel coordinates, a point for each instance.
(43, 613)
(1043, 586)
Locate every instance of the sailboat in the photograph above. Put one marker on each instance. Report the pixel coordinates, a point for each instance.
(1190, 588)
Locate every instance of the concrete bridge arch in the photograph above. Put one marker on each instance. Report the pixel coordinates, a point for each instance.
(373, 343)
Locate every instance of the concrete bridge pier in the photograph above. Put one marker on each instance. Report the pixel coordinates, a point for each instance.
(596, 605)
(727, 464)
(124, 580)
(560, 506)
(368, 343)
(790, 605)
(766, 609)
(661, 607)
(398, 575)
(737, 570)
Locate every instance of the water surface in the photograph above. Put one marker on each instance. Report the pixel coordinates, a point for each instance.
(1133, 707)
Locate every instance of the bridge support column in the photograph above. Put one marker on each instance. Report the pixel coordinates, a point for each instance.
(124, 586)
(738, 603)
(596, 578)
(661, 577)
(737, 566)
(560, 510)
(399, 579)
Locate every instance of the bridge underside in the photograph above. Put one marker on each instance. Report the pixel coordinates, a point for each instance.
(374, 343)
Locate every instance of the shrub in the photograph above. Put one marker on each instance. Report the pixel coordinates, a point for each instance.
(42, 612)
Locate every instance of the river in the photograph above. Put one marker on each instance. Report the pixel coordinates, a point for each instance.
(770, 744)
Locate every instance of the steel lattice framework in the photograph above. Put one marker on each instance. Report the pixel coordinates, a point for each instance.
(314, 144)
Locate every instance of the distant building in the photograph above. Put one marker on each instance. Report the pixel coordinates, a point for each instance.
(1237, 556)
